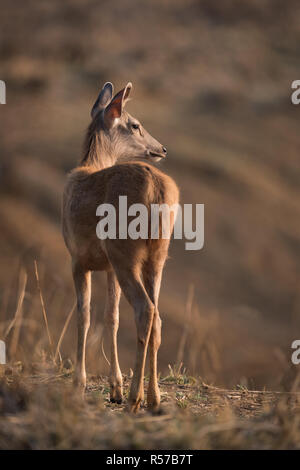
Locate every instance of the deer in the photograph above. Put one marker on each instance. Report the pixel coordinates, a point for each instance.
(118, 158)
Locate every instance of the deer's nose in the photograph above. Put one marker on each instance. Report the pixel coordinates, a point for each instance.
(164, 150)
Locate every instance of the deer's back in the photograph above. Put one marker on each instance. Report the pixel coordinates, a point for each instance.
(142, 183)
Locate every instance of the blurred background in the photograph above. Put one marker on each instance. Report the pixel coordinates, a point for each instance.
(212, 82)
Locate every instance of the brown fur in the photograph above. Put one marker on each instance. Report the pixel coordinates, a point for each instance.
(117, 161)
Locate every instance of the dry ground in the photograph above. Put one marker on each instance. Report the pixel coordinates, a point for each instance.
(42, 411)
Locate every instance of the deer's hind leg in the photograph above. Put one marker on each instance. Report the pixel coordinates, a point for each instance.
(134, 290)
(112, 324)
(82, 281)
(152, 274)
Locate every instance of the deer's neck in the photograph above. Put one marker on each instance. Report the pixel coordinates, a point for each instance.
(96, 153)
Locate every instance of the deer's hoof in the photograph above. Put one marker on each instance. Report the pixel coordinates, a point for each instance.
(116, 394)
(134, 406)
(156, 410)
(153, 400)
(118, 401)
(79, 383)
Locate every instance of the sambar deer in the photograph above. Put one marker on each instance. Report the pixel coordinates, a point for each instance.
(116, 160)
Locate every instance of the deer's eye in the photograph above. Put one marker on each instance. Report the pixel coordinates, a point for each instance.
(135, 126)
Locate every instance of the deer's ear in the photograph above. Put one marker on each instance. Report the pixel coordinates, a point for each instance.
(114, 110)
(103, 99)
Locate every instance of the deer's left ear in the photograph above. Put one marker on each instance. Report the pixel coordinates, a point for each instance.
(114, 110)
(103, 99)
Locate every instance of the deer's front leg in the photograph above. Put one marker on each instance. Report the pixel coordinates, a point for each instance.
(112, 325)
(82, 281)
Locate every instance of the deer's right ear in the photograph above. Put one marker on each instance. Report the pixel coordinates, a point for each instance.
(114, 110)
(103, 99)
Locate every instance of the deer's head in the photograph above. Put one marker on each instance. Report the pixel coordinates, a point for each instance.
(122, 135)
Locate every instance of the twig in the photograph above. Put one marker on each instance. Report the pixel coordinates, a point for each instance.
(189, 305)
(17, 320)
(43, 308)
(57, 352)
(102, 345)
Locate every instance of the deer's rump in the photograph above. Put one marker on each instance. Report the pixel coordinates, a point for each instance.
(85, 191)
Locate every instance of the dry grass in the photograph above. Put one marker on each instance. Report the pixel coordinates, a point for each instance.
(41, 411)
